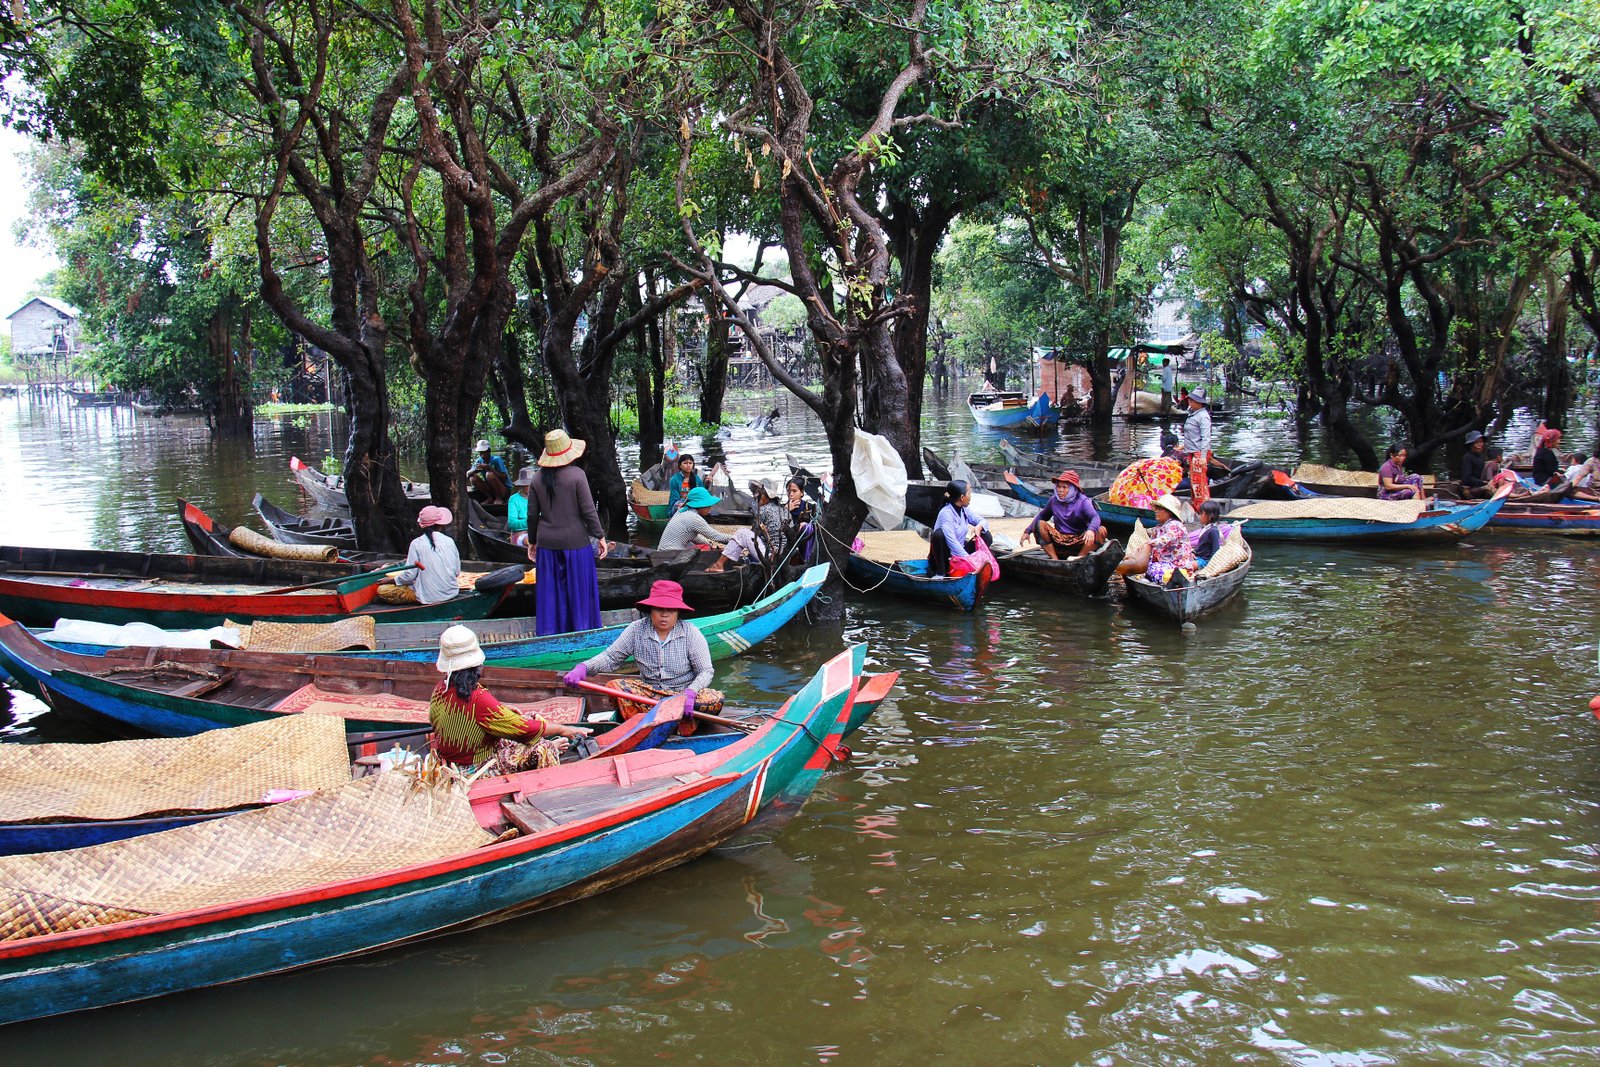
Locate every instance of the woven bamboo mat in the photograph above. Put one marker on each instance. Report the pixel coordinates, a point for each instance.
(1362, 509)
(210, 771)
(365, 827)
(891, 546)
(647, 497)
(247, 539)
(358, 631)
(1317, 474)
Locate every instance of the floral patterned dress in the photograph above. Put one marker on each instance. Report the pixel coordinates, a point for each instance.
(1170, 553)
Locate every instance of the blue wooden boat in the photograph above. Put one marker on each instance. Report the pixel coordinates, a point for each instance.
(909, 578)
(1013, 411)
(1449, 521)
(513, 643)
(565, 833)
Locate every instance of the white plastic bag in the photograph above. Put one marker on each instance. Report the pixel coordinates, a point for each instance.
(880, 477)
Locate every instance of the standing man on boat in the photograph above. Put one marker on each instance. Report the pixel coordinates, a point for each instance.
(1169, 379)
(1067, 521)
(1196, 440)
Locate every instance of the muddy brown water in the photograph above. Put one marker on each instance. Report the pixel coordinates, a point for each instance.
(1353, 819)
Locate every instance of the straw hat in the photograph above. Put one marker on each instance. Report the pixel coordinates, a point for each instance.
(524, 476)
(559, 449)
(663, 594)
(482, 445)
(700, 497)
(433, 515)
(458, 650)
(1171, 504)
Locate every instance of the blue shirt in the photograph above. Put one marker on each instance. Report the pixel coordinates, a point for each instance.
(1075, 515)
(517, 512)
(676, 490)
(495, 464)
(953, 524)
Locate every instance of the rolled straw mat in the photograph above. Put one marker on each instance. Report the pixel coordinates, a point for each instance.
(365, 827)
(207, 772)
(247, 539)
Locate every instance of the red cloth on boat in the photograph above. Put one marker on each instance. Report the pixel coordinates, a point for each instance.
(1199, 483)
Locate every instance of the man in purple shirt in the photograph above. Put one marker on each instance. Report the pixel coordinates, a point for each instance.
(1067, 521)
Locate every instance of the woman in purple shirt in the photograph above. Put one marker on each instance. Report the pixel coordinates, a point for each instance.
(951, 542)
(1393, 481)
(1067, 521)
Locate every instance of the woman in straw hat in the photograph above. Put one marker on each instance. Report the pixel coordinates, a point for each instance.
(670, 651)
(471, 727)
(765, 538)
(1167, 558)
(436, 560)
(561, 520)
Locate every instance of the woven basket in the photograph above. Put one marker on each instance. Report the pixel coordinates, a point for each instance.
(207, 772)
(1138, 539)
(247, 539)
(1232, 553)
(374, 824)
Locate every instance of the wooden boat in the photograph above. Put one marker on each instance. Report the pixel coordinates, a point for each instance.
(294, 529)
(1559, 520)
(40, 585)
(909, 578)
(1199, 598)
(514, 642)
(1080, 575)
(1334, 481)
(1013, 411)
(94, 398)
(328, 489)
(736, 507)
(402, 870)
(1321, 519)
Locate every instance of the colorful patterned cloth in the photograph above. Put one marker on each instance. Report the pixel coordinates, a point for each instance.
(1199, 480)
(1144, 480)
(1170, 553)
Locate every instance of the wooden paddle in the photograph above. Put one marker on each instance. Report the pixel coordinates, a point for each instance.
(361, 578)
(703, 716)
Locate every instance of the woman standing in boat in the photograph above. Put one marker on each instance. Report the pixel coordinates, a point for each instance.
(471, 727)
(436, 560)
(561, 520)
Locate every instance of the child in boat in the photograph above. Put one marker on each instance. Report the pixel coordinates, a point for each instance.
(471, 727)
(1212, 533)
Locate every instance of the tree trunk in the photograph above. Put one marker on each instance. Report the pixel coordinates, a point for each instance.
(714, 373)
(233, 407)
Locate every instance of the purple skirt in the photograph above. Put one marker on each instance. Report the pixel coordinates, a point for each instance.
(566, 591)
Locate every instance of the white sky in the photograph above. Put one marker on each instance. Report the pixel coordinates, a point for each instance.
(21, 266)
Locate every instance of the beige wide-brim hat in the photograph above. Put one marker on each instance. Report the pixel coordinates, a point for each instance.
(559, 449)
(1167, 502)
(524, 476)
(458, 650)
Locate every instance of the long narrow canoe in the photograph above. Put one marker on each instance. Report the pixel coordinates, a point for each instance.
(410, 870)
(40, 585)
(513, 642)
(909, 578)
(328, 489)
(1447, 522)
(1080, 575)
(1199, 598)
(735, 507)
(294, 529)
(1557, 520)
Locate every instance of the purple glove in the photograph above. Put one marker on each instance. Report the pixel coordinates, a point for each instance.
(576, 675)
(688, 702)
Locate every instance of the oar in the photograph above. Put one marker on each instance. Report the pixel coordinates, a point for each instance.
(703, 716)
(346, 578)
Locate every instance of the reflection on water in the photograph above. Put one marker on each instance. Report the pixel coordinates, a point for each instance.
(1352, 819)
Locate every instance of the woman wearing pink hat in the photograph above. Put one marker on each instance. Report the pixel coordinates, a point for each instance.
(671, 652)
(436, 559)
